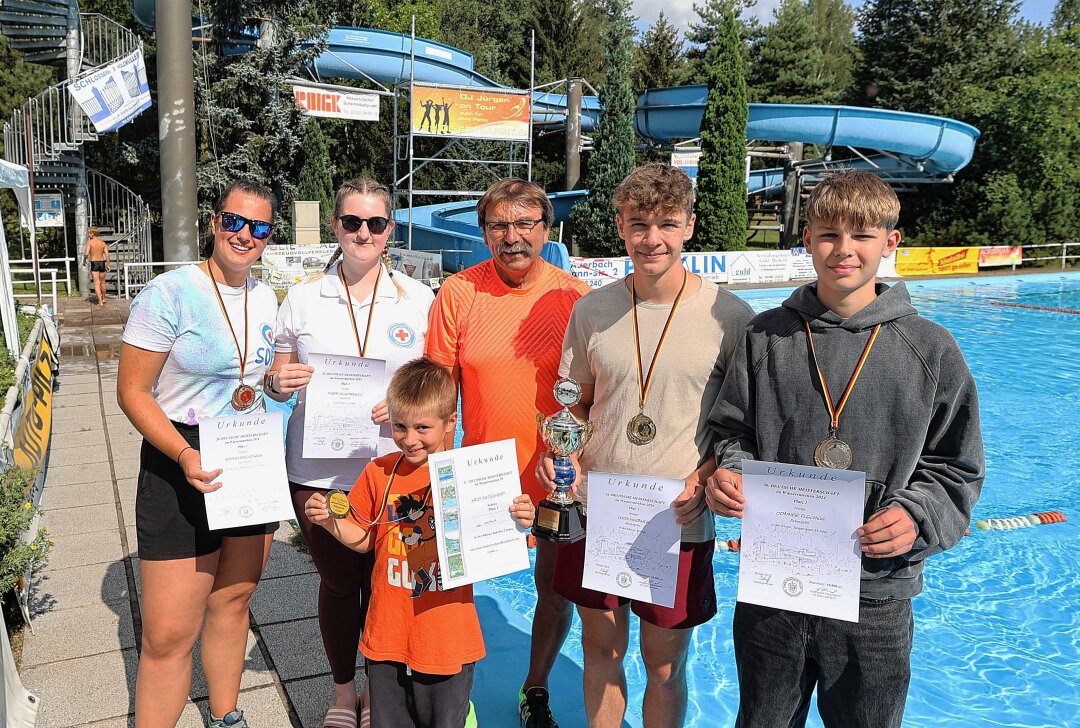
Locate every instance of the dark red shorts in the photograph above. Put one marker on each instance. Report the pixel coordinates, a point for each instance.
(695, 596)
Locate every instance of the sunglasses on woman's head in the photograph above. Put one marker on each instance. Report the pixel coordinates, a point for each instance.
(376, 224)
(234, 223)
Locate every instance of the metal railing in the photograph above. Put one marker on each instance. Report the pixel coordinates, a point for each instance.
(1064, 257)
(53, 119)
(133, 287)
(104, 40)
(121, 214)
(47, 275)
(42, 262)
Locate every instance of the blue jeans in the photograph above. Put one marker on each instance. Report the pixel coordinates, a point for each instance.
(861, 670)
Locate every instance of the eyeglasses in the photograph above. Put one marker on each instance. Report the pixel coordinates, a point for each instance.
(376, 224)
(522, 226)
(234, 223)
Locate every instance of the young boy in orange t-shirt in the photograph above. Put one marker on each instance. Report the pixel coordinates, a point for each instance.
(421, 643)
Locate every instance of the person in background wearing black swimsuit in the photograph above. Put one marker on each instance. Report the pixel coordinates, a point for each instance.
(97, 252)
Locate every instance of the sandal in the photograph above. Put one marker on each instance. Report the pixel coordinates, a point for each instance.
(339, 717)
(363, 708)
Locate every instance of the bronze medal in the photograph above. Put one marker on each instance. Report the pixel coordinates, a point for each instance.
(832, 452)
(337, 502)
(243, 397)
(640, 430)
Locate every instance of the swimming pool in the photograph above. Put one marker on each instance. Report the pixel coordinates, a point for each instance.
(997, 640)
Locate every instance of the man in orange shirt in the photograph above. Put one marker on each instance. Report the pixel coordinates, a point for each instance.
(499, 327)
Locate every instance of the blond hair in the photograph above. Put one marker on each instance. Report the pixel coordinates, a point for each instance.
(855, 197)
(368, 188)
(655, 188)
(422, 387)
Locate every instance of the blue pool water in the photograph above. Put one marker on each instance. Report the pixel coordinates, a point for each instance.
(997, 639)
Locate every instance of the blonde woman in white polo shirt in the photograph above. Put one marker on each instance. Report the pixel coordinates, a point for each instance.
(356, 308)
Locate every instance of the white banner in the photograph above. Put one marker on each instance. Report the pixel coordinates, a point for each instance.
(752, 266)
(114, 95)
(422, 265)
(358, 105)
(284, 265)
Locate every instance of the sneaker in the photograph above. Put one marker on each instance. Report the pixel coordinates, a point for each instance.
(534, 710)
(235, 719)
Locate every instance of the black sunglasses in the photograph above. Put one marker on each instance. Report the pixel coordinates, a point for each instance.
(376, 224)
(234, 223)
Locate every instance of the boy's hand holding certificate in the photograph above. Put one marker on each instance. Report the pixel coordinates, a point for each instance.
(800, 550)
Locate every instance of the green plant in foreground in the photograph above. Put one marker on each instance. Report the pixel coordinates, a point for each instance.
(16, 514)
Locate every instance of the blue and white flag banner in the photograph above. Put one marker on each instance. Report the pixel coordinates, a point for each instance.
(114, 95)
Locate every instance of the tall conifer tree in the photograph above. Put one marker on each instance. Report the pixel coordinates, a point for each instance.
(613, 157)
(721, 205)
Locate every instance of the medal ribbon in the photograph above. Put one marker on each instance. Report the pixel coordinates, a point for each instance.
(835, 410)
(221, 302)
(371, 311)
(386, 499)
(646, 381)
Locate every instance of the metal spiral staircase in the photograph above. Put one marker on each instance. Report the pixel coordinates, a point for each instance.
(47, 133)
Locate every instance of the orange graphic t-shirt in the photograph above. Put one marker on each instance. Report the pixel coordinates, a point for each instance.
(507, 343)
(410, 620)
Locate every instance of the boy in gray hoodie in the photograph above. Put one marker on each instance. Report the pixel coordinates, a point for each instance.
(846, 374)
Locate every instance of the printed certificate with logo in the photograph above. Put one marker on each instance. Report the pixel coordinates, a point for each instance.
(633, 539)
(251, 454)
(799, 548)
(338, 403)
(472, 489)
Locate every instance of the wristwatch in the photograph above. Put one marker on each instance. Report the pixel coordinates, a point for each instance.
(268, 383)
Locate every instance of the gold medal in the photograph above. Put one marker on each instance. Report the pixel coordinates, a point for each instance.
(337, 503)
(641, 429)
(832, 452)
(243, 397)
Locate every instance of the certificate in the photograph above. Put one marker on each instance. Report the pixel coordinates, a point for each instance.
(799, 547)
(472, 489)
(250, 452)
(633, 539)
(338, 403)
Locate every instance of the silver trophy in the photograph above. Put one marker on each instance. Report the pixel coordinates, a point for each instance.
(558, 517)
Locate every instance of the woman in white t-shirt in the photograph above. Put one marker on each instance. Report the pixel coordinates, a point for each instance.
(196, 345)
(357, 307)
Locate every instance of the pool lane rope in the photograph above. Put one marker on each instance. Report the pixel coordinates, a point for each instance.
(1013, 522)
(1033, 307)
(989, 524)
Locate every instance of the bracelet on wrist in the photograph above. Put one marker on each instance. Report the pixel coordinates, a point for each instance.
(268, 383)
(179, 454)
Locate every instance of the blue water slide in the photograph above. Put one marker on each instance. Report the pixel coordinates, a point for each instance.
(905, 146)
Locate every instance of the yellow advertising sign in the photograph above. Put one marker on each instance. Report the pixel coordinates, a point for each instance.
(936, 261)
(32, 437)
(476, 113)
(1000, 255)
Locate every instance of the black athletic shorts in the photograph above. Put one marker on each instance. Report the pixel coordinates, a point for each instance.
(97, 266)
(170, 516)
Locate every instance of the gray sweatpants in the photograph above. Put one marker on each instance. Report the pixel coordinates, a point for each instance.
(401, 698)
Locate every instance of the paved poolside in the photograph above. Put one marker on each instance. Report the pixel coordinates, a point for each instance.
(81, 659)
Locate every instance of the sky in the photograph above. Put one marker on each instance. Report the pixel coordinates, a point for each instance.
(681, 12)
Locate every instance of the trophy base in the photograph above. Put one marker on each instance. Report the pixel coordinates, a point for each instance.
(558, 523)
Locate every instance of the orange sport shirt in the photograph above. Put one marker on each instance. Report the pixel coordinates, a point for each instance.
(507, 343)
